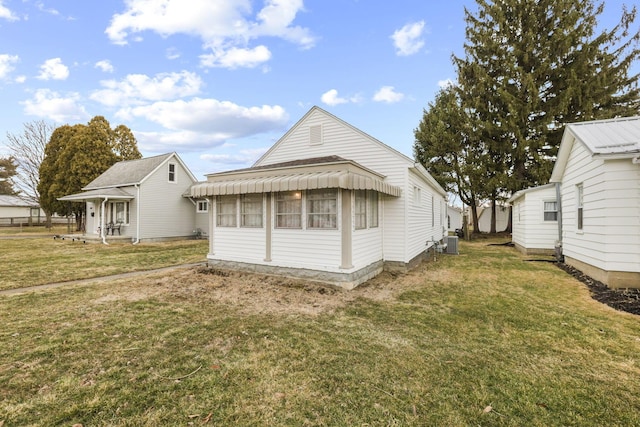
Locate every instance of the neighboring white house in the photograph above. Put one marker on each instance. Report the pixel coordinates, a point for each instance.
(326, 202)
(484, 218)
(535, 225)
(598, 168)
(14, 210)
(454, 218)
(146, 200)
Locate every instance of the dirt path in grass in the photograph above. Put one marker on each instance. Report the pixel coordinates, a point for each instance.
(97, 279)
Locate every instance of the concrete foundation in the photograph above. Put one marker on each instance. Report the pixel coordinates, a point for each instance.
(613, 279)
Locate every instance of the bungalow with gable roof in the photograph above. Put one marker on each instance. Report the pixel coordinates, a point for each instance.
(143, 200)
(326, 202)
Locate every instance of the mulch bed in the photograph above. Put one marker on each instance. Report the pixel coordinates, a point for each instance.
(621, 299)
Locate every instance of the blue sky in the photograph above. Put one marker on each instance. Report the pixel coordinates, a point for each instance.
(219, 81)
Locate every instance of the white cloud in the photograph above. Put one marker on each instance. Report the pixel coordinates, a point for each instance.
(242, 158)
(222, 25)
(213, 116)
(443, 84)
(182, 141)
(408, 39)
(53, 69)
(6, 64)
(51, 105)
(105, 65)
(388, 94)
(201, 123)
(6, 13)
(331, 97)
(138, 88)
(172, 53)
(236, 57)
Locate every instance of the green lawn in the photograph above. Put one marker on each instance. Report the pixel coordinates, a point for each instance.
(36, 261)
(484, 338)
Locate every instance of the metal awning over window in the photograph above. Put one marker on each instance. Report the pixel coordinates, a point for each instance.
(342, 174)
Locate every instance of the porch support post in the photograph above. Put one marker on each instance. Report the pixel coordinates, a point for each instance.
(102, 214)
(347, 231)
(267, 228)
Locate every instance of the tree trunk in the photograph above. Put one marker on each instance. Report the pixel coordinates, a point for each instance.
(510, 220)
(493, 216)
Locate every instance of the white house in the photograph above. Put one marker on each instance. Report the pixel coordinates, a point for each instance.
(535, 227)
(326, 202)
(598, 169)
(454, 218)
(143, 200)
(15, 210)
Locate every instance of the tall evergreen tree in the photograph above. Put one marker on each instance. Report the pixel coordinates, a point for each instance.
(75, 156)
(8, 169)
(446, 146)
(531, 66)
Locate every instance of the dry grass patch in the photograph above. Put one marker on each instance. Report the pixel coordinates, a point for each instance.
(483, 338)
(30, 262)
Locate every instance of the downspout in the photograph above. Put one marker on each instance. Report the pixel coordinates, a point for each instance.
(102, 211)
(135, 242)
(558, 246)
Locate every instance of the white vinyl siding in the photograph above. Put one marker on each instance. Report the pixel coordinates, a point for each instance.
(164, 212)
(239, 244)
(611, 211)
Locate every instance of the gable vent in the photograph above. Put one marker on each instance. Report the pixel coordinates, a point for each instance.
(315, 135)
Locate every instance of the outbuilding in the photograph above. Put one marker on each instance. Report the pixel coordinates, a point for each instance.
(535, 228)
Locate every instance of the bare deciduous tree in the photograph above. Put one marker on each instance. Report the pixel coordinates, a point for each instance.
(28, 150)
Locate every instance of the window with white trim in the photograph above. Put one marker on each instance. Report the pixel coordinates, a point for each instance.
(372, 211)
(202, 206)
(550, 210)
(433, 212)
(119, 212)
(365, 209)
(226, 211)
(579, 203)
(360, 210)
(322, 208)
(251, 210)
(172, 172)
(289, 209)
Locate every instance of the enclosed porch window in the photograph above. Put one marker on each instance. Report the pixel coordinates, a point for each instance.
(322, 208)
